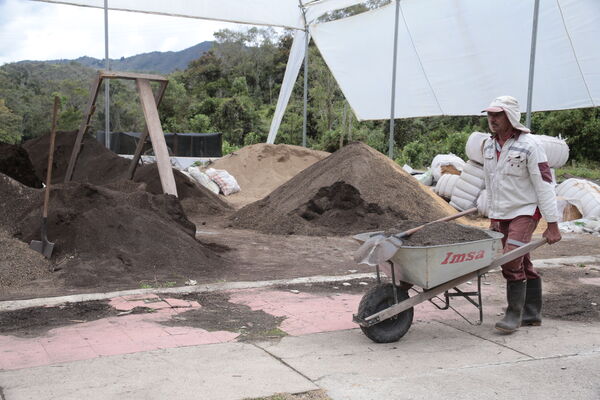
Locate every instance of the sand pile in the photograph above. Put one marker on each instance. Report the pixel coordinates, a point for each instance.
(14, 162)
(356, 189)
(99, 166)
(104, 235)
(261, 168)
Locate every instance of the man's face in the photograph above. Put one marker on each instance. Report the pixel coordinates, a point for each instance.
(498, 122)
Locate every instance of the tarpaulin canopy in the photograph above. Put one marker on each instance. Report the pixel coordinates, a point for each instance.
(283, 13)
(454, 57)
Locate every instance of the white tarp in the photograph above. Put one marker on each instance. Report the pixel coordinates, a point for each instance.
(291, 73)
(284, 13)
(454, 57)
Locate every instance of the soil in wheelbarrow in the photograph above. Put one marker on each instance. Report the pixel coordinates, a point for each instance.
(356, 189)
(439, 233)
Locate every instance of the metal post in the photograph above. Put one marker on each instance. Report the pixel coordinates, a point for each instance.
(393, 105)
(536, 10)
(106, 81)
(305, 114)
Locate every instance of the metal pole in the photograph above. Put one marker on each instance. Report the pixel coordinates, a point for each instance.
(305, 115)
(393, 105)
(536, 11)
(106, 81)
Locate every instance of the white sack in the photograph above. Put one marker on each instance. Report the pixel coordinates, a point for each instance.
(202, 179)
(224, 179)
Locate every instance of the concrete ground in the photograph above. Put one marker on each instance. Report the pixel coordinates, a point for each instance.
(134, 356)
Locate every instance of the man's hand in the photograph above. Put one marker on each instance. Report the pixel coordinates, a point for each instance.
(552, 233)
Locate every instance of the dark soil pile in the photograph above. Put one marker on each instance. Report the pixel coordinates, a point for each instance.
(95, 163)
(195, 198)
(103, 236)
(355, 189)
(99, 166)
(14, 162)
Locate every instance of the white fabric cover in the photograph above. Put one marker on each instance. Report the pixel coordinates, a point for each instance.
(292, 69)
(284, 13)
(445, 185)
(454, 57)
(557, 149)
(468, 187)
(474, 146)
(584, 194)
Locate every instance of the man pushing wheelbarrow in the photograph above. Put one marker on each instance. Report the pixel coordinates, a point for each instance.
(520, 191)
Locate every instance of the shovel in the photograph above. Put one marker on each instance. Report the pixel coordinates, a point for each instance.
(44, 246)
(379, 248)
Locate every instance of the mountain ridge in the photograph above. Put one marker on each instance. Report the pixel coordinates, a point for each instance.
(155, 61)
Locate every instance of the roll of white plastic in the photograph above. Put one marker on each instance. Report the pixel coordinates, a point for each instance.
(474, 146)
(469, 186)
(445, 185)
(584, 194)
(556, 150)
(482, 204)
(462, 199)
(445, 159)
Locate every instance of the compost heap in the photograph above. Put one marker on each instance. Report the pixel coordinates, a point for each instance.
(356, 189)
(261, 168)
(103, 236)
(99, 166)
(14, 162)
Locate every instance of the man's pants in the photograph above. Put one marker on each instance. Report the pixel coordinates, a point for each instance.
(517, 232)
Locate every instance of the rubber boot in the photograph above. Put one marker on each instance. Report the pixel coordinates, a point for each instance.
(515, 295)
(532, 312)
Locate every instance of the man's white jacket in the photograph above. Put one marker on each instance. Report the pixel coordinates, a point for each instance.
(519, 180)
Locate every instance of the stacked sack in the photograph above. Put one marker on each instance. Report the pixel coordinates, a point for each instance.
(471, 182)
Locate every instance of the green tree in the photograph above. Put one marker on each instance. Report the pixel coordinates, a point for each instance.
(10, 125)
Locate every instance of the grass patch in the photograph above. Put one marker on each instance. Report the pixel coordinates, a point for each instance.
(587, 170)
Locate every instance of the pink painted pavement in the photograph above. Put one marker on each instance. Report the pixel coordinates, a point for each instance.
(304, 313)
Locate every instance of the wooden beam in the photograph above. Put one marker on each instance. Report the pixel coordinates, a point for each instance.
(91, 107)
(157, 137)
(140, 145)
(131, 75)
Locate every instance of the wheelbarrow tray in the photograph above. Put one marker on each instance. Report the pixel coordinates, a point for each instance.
(430, 266)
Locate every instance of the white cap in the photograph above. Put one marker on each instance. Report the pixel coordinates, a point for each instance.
(510, 106)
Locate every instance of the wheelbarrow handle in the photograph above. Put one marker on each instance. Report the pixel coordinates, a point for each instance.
(448, 218)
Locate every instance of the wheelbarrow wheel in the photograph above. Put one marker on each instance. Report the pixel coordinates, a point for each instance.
(391, 329)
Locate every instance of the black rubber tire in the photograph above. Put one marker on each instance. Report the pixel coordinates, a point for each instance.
(379, 298)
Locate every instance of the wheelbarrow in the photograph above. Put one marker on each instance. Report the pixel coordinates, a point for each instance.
(385, 313)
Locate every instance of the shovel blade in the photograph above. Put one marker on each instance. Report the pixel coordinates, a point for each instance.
(377, 250)
(45, 248)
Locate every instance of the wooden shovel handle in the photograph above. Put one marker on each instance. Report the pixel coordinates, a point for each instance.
(51, 155)
(448, 218)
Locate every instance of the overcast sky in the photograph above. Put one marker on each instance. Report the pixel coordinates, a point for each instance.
(31, 30)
